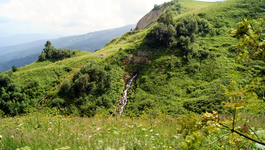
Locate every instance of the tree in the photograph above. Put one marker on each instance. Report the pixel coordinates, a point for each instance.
(48, 43)
(166, 18)
(161, 34)
(42, 56)
(14, 68)
(156, 7)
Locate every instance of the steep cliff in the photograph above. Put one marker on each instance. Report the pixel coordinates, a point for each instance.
(142, 23)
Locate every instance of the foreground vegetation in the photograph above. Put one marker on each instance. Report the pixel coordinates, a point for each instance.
(47, 129)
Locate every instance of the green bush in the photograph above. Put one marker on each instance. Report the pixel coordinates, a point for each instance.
(205, 103)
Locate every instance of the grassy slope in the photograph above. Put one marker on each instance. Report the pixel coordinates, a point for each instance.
(158, 83)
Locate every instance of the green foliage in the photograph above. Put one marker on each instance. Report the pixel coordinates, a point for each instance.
(49, 52)
(166, 18)
(205, 103)
(161, 35)
(87, 88)
(250, 31)
(14, 68)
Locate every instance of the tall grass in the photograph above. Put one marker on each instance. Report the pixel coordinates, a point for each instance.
(47, 129)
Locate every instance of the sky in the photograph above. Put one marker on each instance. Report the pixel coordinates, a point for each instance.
(69, 17)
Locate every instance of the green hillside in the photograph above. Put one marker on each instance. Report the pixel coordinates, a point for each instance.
(187, 66)
(180, 73)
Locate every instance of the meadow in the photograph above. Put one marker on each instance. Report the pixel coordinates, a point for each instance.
(48, 129)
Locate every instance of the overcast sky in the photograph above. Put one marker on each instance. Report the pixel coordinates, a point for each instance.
(69, 17)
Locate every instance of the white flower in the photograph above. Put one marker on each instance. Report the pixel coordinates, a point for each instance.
(238, 127)
(20, 125)
(115, 132)
(97, 129)
(78, 138)
(218, 129)
(151, 130)
(251, 132)
(144, 129)
(146, 135)
(157, 134)
(1, 137)
(89, 136)
(152, 136)
(50, 122)
(49, 129)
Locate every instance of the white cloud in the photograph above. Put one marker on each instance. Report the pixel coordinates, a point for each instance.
(77, 16)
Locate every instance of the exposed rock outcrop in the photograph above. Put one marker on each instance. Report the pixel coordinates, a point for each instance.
(142, 23)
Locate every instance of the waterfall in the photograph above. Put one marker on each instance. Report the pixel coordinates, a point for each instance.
(123, 101)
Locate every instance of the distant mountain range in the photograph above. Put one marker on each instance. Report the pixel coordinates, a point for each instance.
(24, 38)
(26, 53)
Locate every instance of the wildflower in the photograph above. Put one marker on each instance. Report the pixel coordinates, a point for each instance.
(251, 132)
(49, 129)
(152, 137)
(151, 130)
(144, 129)
(97, 129)
(20, 125)
(0, 137)
(66, 147)
(50, 122)
(146, 135)
(115, 132)
(157, 134)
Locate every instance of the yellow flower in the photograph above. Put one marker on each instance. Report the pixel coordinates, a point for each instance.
(169, 146)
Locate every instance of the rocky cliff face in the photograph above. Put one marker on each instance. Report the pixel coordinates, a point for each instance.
(142, 23)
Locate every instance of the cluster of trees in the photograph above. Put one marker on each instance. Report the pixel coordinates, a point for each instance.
(83, 91)
(165, 4)
(167, 33)
(14, 99)
(49, 52)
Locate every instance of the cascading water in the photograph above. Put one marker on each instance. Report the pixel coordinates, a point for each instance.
(123, 101)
